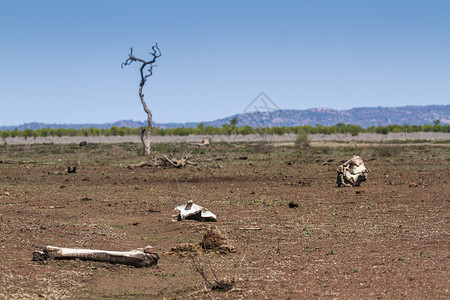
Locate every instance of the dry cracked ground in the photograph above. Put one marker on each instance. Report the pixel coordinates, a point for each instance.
(388, 238)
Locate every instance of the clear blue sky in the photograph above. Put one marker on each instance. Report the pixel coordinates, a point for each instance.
(60, 60)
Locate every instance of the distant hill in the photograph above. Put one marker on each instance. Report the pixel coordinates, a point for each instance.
(362, 116)
(37, 125)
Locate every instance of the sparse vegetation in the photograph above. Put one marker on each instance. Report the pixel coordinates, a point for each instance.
(302, 139)
(230, 128)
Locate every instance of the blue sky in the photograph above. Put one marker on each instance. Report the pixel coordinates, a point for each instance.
(60, 60)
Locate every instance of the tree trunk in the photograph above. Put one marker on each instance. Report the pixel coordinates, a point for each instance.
(146, 133)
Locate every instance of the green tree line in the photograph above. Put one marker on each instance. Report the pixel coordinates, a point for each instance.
(226, 129)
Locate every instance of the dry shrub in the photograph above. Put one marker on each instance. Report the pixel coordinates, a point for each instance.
(302, 139)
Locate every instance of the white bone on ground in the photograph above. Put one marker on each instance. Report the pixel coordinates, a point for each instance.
(191, 208)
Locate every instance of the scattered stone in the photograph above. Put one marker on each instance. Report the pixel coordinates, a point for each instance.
(223, 284)
(186, 249)
(412, 184)
(83, 143)
(71, 170)
(305, 181)
(293, 204)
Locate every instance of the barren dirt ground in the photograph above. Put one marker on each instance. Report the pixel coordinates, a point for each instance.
(388, 238)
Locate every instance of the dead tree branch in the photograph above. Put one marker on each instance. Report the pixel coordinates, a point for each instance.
(169, 159)
(215, 284)
(145, 74)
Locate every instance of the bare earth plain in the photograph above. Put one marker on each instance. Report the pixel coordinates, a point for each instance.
(388, 239)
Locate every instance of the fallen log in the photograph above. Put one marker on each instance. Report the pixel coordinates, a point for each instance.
(141, 164)
(204, 143)
(17, 162)
(141, 257)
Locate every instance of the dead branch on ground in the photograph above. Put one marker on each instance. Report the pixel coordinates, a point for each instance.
(141, 164)
(166, 160)
(216, 283)
(169, 159)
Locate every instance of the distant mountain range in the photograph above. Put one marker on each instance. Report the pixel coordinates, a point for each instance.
(362, 116)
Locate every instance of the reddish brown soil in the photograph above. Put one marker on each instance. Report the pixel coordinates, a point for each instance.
(388, 238)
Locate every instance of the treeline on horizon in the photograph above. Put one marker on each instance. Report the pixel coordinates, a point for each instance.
(227, 129)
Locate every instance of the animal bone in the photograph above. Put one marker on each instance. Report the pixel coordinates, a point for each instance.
(352, 172)
(192, 211)
(139, 257)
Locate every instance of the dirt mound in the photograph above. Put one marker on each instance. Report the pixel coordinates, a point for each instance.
(185, 249)
(213, 241)
(216, 241)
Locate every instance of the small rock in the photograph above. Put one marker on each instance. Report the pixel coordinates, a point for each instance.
(293, 204)
(412, 184)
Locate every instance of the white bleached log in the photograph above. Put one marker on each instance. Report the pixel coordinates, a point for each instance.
(139, 257)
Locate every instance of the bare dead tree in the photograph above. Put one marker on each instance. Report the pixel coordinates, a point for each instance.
(145, 74)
